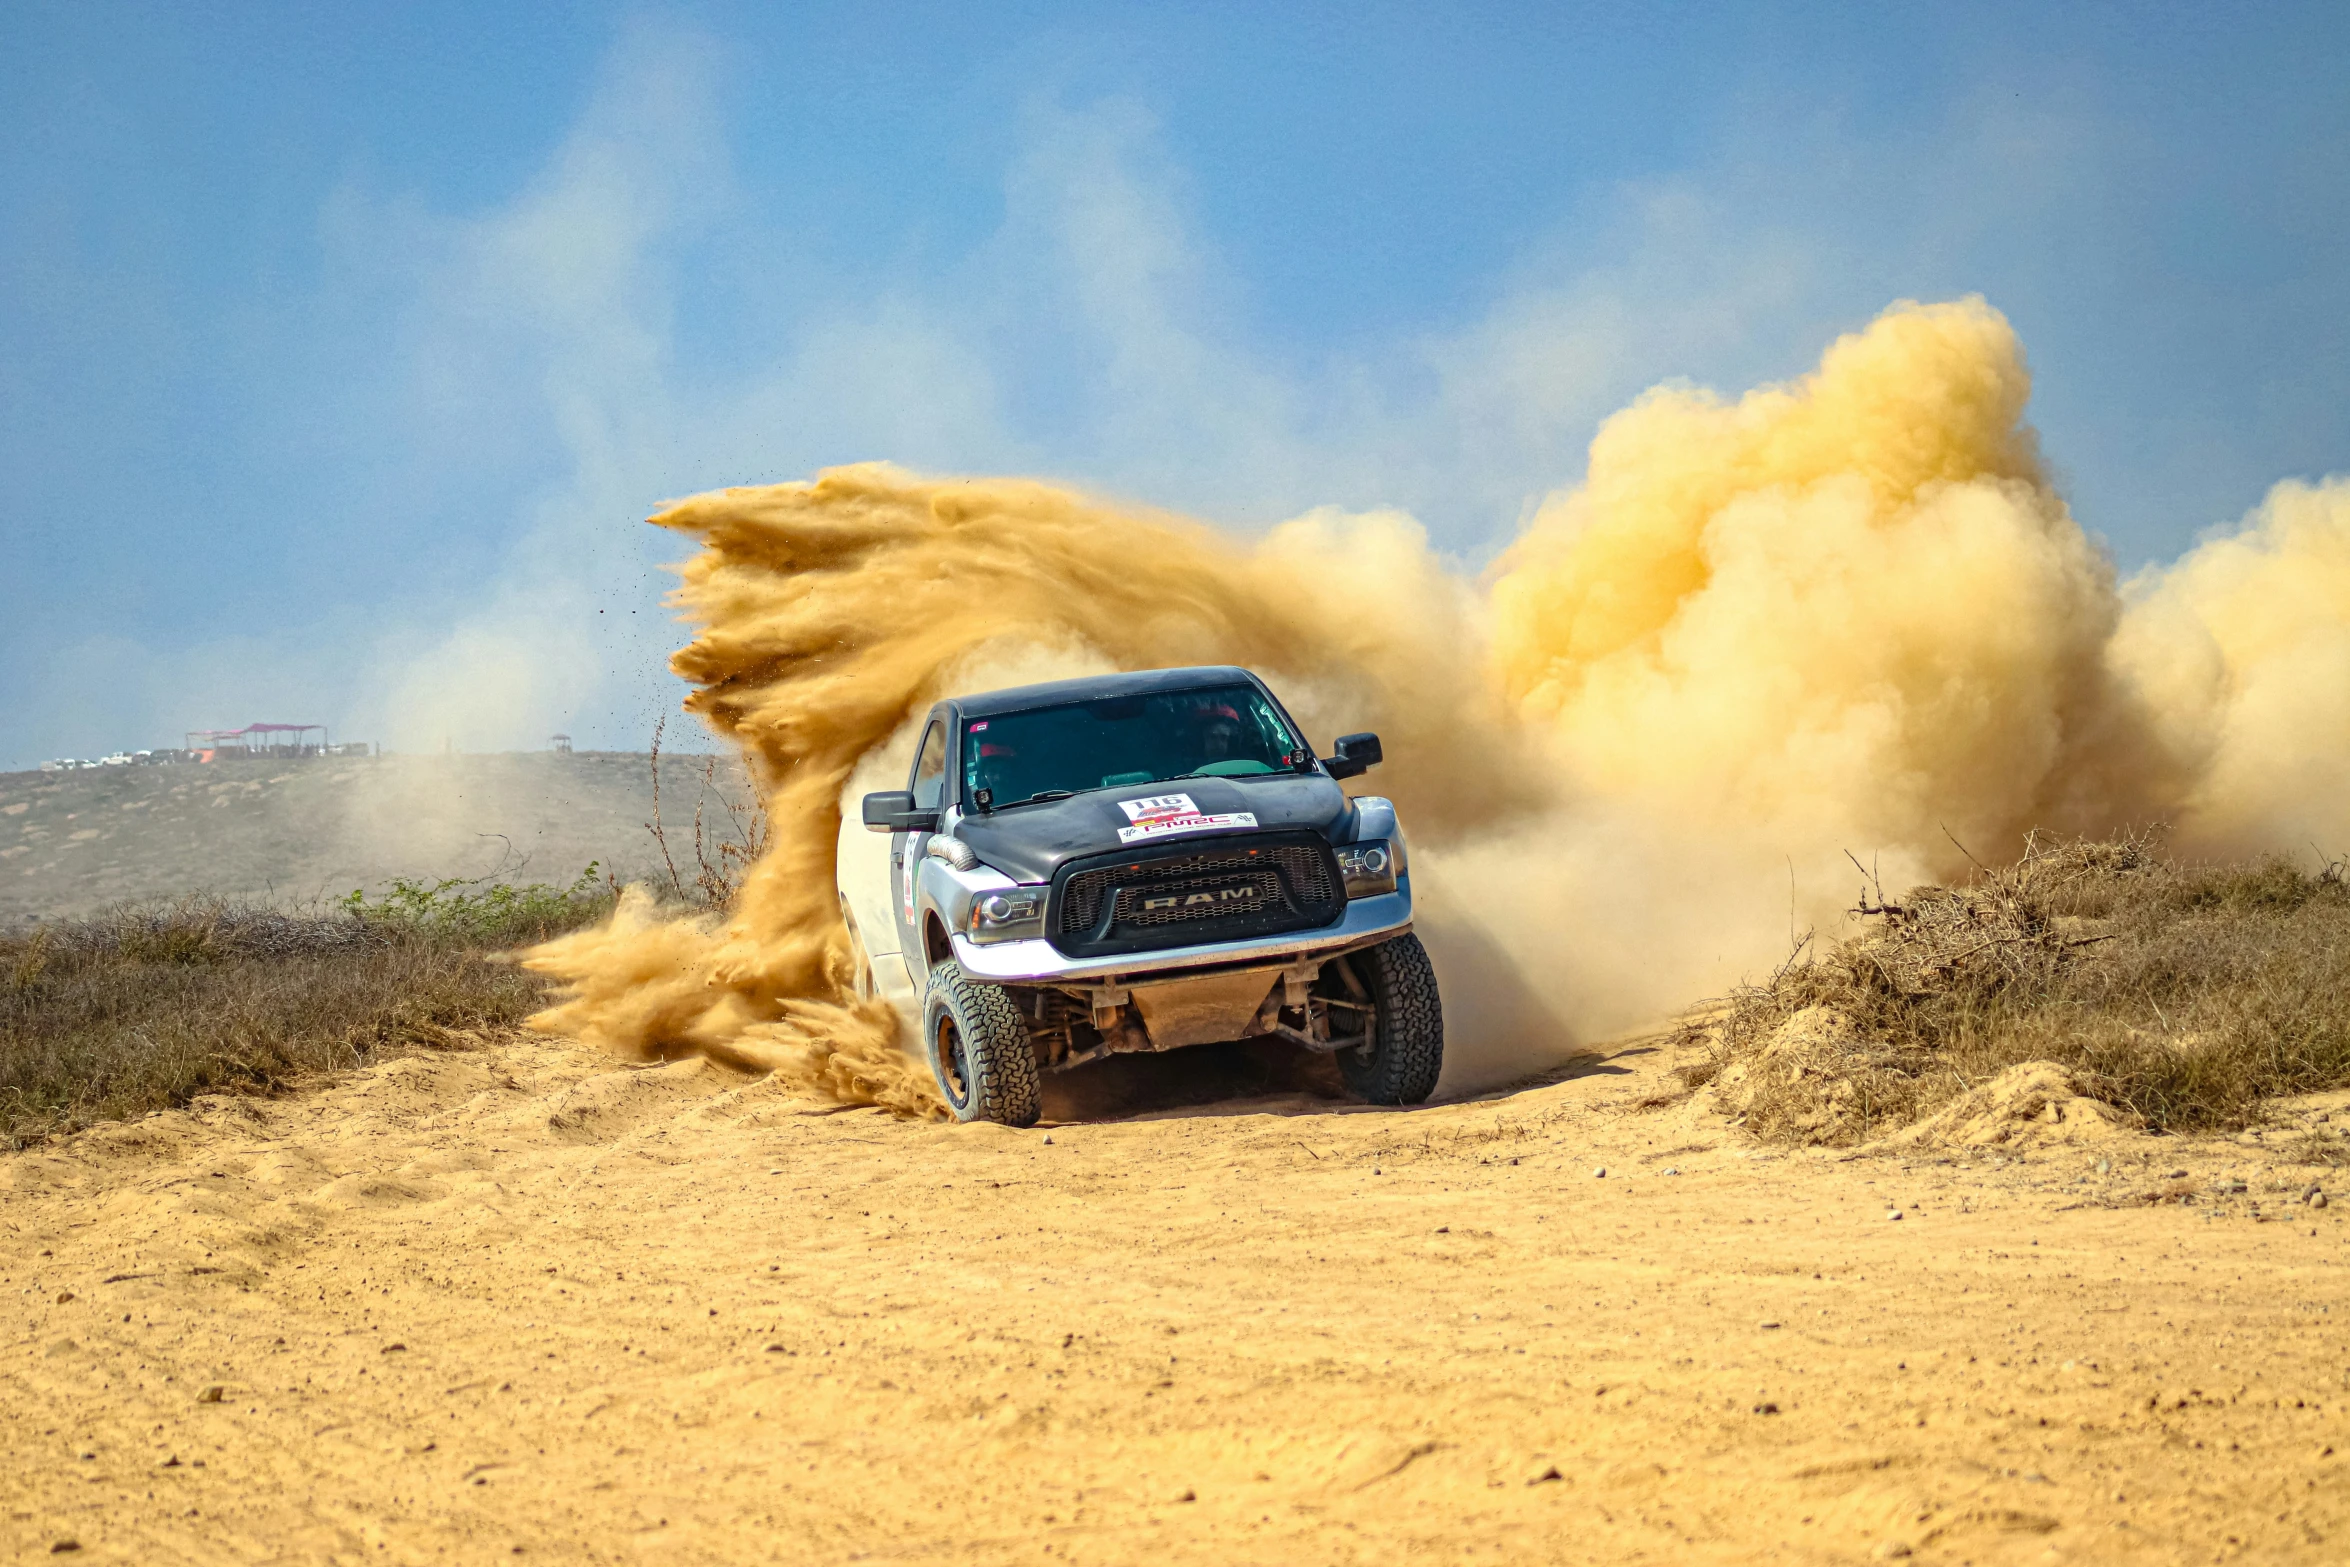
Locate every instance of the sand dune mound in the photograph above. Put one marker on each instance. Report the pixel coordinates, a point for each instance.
(2032, 1101)
(1811, 1054)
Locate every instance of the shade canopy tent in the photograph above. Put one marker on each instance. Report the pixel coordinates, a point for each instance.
(261, 740)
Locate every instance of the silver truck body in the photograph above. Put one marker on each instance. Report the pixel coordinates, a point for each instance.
(911, 899)
(1179, 979)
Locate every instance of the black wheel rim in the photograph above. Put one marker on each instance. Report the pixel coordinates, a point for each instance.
(1354, 1059)
(954, 1064)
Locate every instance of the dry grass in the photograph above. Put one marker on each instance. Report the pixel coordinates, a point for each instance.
(148, 1007)
(2187, 995)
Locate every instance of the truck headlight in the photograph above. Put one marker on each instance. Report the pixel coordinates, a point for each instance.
(1370, 867)
(1007, 914)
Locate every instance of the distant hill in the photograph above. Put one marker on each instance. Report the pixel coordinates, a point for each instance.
(299, 832)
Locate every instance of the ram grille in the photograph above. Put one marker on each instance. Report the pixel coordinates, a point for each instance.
(1186, 897)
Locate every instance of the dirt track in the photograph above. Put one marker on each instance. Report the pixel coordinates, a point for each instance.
(471, 1306)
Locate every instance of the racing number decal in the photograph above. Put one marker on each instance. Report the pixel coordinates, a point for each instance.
(1163, 815)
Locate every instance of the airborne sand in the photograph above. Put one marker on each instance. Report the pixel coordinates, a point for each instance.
(469, 1305)
(1851, 613)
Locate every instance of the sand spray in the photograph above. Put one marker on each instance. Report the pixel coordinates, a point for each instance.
(1846, 614)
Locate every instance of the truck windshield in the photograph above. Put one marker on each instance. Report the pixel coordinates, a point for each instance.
(1122, 741)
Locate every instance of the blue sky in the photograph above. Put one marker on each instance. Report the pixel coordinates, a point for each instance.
(341, 349)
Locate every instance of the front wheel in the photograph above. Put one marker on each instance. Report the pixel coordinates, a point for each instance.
(979, 1050)
(1406, 1053)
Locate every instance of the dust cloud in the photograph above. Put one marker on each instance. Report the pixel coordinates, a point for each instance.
(2243, 652)
(1850, 613)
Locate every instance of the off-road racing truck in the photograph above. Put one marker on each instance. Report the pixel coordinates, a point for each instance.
(1138, 862)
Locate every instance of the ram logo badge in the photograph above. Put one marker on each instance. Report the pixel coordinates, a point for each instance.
(1194, 899)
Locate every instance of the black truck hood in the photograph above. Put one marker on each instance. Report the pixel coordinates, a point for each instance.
(1030, 842)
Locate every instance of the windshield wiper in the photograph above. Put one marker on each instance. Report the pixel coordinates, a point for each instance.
(1041, 797)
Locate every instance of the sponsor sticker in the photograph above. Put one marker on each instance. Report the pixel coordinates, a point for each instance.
(1164, 815)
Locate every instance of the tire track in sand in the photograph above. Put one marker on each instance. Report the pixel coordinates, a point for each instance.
(467, 1305)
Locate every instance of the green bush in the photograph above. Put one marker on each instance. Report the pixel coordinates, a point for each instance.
(481, 912)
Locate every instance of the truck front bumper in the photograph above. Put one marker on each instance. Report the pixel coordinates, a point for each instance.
(1039, 962)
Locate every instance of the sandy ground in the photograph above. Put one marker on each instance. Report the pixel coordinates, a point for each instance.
(520, 1303)
(294, 833)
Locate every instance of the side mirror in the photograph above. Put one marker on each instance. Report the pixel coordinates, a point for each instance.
(894, 811)
(1356, 754)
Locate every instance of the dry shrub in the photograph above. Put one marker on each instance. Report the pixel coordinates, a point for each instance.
(145, 1008)
(2185, 995)
(724, 851)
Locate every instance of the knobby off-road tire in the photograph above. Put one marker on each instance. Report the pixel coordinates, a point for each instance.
(1401, 1064)
(979, 1051)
